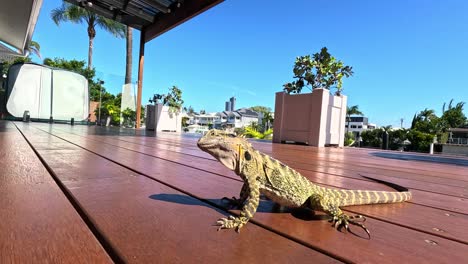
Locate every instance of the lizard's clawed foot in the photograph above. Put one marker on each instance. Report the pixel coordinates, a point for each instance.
(343, 220)
(231, 222)
(234, 203)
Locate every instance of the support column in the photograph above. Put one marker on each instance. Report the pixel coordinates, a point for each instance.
(140, 77)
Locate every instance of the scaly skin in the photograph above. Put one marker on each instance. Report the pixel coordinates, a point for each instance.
(265, 175)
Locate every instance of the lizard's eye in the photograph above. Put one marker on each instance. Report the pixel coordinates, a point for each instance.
(247, 155)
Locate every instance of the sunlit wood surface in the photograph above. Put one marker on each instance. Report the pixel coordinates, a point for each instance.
(94, 194)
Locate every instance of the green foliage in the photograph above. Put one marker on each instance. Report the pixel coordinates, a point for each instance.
(6, 65)
(372, 138)
(426, 121)
(396, 138)
(453, 117)
(173, 99)
(129, 117)
(443, 137)
(260, 109)
(75, 14)
(349, 139)
(319, 71)
(251, 132)
(353, 110)
(189, 110)
(419, 141)
(267, 119)
(95, 85)
(185, 121)
(33, 48)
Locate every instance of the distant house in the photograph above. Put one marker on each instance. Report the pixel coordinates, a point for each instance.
(236, 119)
(357, 124)
(226, 119)
(457, 142)
(203, 119)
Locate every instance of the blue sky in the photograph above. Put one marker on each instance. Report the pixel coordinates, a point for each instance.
(406, 55)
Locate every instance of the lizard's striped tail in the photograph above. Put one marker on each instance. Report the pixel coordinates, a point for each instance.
(358, 197)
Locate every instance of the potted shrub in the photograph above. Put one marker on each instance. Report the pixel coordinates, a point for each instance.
(316, 118)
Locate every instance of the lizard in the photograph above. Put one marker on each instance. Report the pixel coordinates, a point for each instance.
(262, 174)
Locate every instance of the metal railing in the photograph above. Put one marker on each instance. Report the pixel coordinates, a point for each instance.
(458, 141)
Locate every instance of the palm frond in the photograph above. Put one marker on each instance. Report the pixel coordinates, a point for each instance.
(69, 12)
(115, 28)
(35, 48)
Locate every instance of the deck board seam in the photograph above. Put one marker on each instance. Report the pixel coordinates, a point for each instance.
(331, 174)
(318, 249)
(253, 220)
(106, 245)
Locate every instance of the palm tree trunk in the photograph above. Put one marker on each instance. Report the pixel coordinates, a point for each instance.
(128, 65)
(90, 53)
(91, 35)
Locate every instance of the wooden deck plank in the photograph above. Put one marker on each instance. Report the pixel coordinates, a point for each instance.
(324, 166)
(358, 157)
(437, 200)
(146, 221)
(208, 186)
(401, 217)
(38, 223)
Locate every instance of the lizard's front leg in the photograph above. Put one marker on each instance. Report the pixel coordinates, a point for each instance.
(338, 218)
(238, 203)
(247, 212)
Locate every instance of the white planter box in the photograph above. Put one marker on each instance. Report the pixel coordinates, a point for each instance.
(160, 119)
(316, 119)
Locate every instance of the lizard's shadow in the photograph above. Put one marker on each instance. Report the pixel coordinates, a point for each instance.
(265, 206)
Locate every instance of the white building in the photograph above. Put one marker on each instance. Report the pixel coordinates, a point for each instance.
(236, 119)
(226, 119)
(357, 124)
(203, 119)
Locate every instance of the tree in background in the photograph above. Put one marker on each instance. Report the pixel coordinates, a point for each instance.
(267, 118)
(319, 71)
(75, 14)
(33, 49)
(353, 110)
(252, 132)
(173, 99)
(110, 104)
(95, 85)
(128, 57)
(426, 121)
(453, 117)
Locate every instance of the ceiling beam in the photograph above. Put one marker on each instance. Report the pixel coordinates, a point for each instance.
(186, 11)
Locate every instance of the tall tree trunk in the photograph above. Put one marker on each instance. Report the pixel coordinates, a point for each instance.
(128, 64)
(90, 53)
(91, 35)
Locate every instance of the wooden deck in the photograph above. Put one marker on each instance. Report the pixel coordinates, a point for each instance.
(95, 195)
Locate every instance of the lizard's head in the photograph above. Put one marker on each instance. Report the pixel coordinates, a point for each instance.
(224, 146)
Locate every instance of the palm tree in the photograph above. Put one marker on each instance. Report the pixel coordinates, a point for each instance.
(75, 14)
(35, 48)
(353, 110)
(427, 114)
(128, 62)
